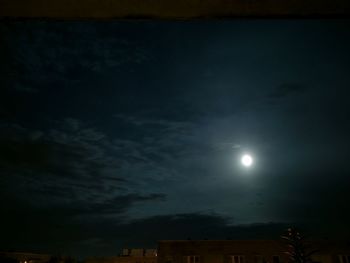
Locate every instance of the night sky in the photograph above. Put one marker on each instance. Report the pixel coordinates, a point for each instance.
(118, 134)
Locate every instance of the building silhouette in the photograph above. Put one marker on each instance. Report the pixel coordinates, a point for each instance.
(245, 251)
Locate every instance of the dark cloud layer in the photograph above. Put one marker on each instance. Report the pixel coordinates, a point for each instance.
(117, 134)
(286, 89)
(101, 237)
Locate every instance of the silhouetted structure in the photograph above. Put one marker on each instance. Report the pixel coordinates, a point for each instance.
(21, 257)
(298, 251)
(134, 255)
(244, 251)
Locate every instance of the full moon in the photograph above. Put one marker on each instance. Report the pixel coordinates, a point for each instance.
(247, 160)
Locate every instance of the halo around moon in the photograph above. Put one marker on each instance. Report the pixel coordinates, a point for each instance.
(247, 160)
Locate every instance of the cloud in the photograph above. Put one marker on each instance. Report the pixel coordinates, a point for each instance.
(285, 90)
(38, 55)
(78, 164)
(146, 232)
(317, 199)
(226, 146)
(112, 233)
(22, 88)
(69, 166)
(76, 210)
(158, 145)
(160, 124)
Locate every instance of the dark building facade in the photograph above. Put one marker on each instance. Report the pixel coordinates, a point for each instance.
(23, 257)
(244, 251)
(133, 255)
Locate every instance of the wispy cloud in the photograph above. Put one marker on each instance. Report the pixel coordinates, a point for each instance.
(40, 54)
(285, 90)
(72, 164)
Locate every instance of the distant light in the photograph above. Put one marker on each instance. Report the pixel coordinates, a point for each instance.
(247, 160)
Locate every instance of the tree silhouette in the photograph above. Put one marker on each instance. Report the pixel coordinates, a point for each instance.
(298, 250)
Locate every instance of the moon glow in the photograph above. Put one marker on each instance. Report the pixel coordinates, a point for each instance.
(246, 160)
